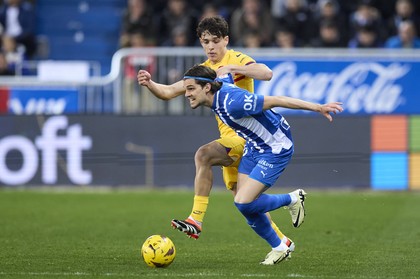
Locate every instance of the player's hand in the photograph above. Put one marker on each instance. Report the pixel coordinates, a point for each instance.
(224, 70)
(144, 77)
(327, 109)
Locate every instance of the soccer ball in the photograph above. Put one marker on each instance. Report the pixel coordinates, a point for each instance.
(158, 251)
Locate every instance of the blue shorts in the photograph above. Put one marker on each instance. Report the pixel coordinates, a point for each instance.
(264, 167)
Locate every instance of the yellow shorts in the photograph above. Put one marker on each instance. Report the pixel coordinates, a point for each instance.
(236, 146)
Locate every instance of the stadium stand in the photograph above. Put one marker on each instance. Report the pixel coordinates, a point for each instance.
(91, 30)
(81, 29)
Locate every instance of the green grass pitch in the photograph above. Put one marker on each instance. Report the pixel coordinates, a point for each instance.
(67, 234)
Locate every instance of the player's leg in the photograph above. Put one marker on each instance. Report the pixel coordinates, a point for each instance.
(253, 204)
(226, 152)
(235, 148)
(230, 177)
(207, 156)
(229, 151)
(255, 176)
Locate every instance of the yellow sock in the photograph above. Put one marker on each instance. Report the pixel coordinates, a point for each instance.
(278, 231)
(199, 208)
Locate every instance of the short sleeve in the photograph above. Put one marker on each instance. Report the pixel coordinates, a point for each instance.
(244, 59)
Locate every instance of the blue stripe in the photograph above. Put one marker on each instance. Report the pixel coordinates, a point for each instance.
(198, 78)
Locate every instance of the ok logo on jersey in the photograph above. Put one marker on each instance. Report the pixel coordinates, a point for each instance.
(248, 102)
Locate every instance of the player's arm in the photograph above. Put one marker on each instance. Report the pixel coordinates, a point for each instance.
(293, 103)
(161, 91)
(254, 70)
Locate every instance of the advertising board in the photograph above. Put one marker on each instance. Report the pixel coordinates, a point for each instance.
(51, 101)
(108, 150)
(364, 86)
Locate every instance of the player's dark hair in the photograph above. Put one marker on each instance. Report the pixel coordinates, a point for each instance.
(204, 72)
(215, 25)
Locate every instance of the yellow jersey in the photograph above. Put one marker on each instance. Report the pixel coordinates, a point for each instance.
(233, 57)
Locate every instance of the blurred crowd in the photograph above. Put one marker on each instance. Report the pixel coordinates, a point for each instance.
(276, 23)
(253, 24)
(17, 34)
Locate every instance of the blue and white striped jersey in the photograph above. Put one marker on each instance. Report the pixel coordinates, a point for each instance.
(264, 130)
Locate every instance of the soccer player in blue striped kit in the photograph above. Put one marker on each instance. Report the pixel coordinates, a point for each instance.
(268, 148)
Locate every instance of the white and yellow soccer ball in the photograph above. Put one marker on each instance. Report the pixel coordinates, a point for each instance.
(158, 251)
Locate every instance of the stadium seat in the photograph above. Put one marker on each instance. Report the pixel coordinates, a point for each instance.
(81, 29)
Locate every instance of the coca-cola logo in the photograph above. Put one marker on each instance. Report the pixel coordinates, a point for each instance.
(368, 87)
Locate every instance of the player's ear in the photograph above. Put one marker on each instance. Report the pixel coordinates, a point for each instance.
(226, 39)
(207, 87)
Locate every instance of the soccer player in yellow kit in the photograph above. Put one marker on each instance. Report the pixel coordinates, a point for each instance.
(228, 149)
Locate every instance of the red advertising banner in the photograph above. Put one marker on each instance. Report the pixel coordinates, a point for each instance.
(4, 99)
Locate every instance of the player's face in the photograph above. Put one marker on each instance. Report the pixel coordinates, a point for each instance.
(196, 94)
(214, 47)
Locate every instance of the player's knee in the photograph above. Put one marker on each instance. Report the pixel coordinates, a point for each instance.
(203, 155)
(245, 208)
(241, 197)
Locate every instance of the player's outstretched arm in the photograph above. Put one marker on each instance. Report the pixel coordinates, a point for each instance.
(161, 91)
(255, 70)
(293, 103)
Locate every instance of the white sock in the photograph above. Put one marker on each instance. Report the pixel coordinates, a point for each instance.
(281, 247)
(293, 198)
